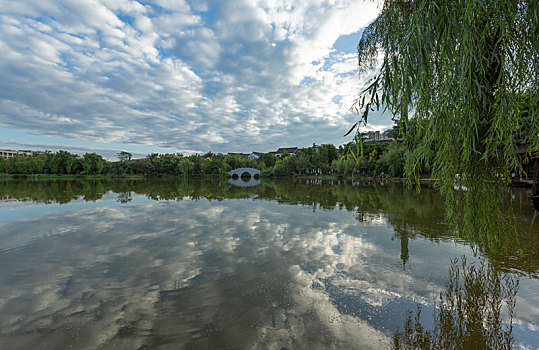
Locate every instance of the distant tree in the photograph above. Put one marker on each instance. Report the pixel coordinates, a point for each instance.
(218, 166)
(268, 159)
(328, 154)
(140, 167)
(284, 166)
(65, 162)
(92, 163)
(124, 156)
(392, 162)
(186, 167)
(301, 162)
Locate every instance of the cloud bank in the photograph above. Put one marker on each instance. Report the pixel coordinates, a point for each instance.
(185, 75)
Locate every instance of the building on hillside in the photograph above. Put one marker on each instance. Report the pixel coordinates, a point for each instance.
(373, 136)
(6, 153)
(289, 150)
(254, 155)
(278, 153)
(377, 136)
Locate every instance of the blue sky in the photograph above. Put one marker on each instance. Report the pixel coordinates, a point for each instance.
(179, 76)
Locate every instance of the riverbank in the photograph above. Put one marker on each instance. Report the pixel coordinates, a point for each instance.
(333, 177)
(139, 177)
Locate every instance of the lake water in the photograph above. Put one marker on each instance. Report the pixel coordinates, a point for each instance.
(287, 264)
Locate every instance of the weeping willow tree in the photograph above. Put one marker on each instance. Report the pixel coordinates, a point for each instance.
(461, 77)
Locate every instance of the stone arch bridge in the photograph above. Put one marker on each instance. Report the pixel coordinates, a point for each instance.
(240, 171)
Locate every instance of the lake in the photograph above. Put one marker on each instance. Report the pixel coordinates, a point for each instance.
(283, 264)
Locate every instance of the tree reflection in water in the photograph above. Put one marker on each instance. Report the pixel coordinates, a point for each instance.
(124, 197)
(475, 311)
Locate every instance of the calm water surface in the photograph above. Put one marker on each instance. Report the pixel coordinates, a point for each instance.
(287, 264)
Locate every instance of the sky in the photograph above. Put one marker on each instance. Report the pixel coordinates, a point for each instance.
(179, 76)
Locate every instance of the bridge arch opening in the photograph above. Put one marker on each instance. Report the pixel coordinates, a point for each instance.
(246, 175)
(235, 176)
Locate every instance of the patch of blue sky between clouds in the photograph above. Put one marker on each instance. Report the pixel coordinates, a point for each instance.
(348, 43)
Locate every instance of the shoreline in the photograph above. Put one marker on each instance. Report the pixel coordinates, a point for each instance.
(429, 181)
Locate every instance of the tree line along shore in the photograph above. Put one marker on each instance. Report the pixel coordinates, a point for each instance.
(372, 159)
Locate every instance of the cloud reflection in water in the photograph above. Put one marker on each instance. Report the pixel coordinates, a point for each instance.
(237, 273)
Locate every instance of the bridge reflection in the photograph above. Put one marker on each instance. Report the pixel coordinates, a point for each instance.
(242, 183)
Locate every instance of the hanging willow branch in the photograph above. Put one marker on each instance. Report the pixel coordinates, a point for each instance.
(461, 77)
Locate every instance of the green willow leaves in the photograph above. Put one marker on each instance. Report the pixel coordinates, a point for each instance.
(461, 77)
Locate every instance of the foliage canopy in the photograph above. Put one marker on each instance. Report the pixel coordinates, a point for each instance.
(461, 77)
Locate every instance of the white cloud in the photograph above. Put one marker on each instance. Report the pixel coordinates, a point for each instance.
(219, 75)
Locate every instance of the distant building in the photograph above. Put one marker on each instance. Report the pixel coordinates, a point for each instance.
(376, 136)
(289, 150)
(6, 153)
(373, 136)
(278, 153)
(254, 155)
